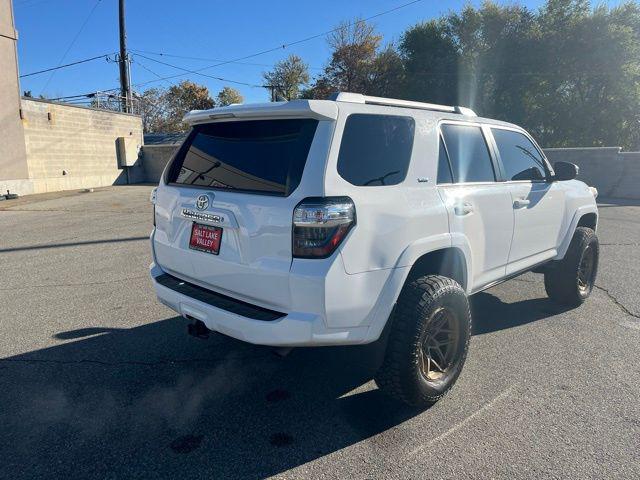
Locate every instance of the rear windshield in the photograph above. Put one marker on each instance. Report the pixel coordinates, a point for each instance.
(264, 156)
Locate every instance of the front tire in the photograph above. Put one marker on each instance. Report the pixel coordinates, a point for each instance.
(428, 342)
(570, 281)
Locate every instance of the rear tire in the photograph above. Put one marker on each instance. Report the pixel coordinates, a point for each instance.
(570, 281)
(428, 341)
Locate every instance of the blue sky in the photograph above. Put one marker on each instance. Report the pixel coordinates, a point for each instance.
(214, 29)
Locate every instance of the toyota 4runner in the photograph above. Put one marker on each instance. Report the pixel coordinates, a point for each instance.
(329, 222)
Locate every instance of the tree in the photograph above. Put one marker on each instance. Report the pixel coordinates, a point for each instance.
(568, 73)
(354, 48)
(181, 99)
(162, 111)
(358, 65)
(151, 106)
(593, 96)
(431, 61)
(228, 96)
(387, 74)
(287, 78)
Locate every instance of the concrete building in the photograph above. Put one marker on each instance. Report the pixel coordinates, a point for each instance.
(47, 146)
(13, 154)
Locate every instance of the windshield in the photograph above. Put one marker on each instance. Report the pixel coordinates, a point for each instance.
(265, 156)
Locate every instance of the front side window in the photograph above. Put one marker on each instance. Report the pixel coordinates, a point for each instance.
(261, 156)
(375, 149)
(521, 159)
(468, 153)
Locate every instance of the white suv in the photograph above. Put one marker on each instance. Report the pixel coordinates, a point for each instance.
(327, 222)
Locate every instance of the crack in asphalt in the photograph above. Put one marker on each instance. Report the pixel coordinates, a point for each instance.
(618, 303)
(620, 244)
(82, 284)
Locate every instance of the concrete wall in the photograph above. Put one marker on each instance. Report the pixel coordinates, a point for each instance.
(614, 173)
(13, 159)
(70, 147)
(154, 159)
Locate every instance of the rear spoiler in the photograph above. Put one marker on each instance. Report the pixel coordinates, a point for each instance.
(318, 109)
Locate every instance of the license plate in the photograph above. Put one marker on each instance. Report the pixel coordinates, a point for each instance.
(205, 238)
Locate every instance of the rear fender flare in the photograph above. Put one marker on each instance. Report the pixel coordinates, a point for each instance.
(400, 272)
(427, 245)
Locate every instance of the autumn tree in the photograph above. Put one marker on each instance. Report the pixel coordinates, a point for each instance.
(162, 110)
(152, 108)
(287, 78)
(358, 64)
(182, 98)
(228, 96)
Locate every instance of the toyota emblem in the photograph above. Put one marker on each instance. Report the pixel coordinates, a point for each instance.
(202, 202)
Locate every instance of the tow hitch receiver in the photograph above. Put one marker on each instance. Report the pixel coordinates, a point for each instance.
(198, 329)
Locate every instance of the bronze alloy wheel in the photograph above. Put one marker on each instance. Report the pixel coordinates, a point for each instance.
(586, 270)
(439, 351)
(428, 342)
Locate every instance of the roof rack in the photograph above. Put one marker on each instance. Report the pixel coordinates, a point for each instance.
(392, 102)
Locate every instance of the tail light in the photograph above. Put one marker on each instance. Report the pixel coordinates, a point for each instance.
(320, 224)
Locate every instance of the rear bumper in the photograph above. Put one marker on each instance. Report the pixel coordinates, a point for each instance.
(293, 329)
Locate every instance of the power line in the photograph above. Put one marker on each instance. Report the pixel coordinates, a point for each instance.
(71, 44)
(197, 73)
(106, 56)
(285, 45)
(138, 62)
(204, 59)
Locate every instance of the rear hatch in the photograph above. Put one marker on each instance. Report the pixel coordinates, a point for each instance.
(224, 208)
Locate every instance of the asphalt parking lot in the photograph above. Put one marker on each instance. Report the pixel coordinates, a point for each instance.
(99, 380)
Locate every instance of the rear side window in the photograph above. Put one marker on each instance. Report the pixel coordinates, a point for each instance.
(263, 156)
(521, 159)
(468, 154)
(376, 149)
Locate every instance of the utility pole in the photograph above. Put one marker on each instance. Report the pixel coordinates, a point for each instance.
(125, 78)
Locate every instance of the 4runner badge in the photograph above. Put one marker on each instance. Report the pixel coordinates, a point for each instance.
(203, 216)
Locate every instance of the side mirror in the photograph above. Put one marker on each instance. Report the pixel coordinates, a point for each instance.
(565, 171)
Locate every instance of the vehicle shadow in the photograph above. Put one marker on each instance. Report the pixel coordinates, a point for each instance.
(491, 314)
(151, 401)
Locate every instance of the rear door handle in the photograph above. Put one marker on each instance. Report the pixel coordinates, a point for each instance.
(463, 209)
(521, 202)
